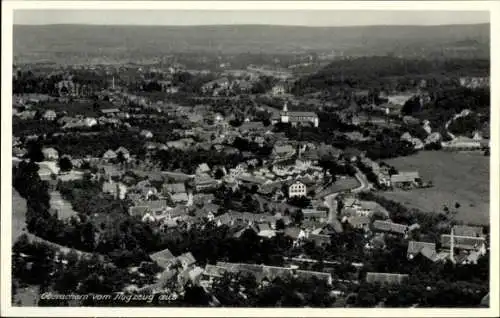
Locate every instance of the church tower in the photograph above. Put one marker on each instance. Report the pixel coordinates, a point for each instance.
(284, 113)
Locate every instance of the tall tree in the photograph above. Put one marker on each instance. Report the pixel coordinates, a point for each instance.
(65, 164)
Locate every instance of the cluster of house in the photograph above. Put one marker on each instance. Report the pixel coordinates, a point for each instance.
(464, 245)
(278, 73)
(225, 85)
(177, 271)
(401, 179)
(466, 144)
(263, 274)
(475, 82)
(70, 88)
(154, 197)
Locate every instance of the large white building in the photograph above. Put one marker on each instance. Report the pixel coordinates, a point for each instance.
(296, 118)
(297, 189)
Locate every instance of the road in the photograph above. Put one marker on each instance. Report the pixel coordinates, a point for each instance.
(330, 201)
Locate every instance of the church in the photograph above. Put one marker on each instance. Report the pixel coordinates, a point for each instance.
(296, 118)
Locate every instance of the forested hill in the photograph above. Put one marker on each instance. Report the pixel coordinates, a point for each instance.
(387, 71)
(79, 42)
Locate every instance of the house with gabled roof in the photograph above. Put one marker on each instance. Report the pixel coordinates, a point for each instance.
(463, 242)
(163, 258)
(174, 188)
(359, 222)
(139, 211)
(281, 151)
(109, 155)
(296, 234)
(264, 230)
(50, 154)
(186, 260)
(264, 273)
(315, 215)
(203, 183)
(465, 230)
(407, 178)
(49, 115)
(124, 152)
(389, 227)
(319, 239)
(386, 278)
(203, 169)
(249, 179)
(416, 247)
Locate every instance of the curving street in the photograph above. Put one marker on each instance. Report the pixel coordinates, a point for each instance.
(330, 201)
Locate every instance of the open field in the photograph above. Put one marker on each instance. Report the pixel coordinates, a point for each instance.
(18, 215)
(457, 177)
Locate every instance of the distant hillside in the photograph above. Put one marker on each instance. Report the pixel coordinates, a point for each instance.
(380, 71)
(77, 43)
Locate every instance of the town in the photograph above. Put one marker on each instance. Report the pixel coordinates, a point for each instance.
(249, 184)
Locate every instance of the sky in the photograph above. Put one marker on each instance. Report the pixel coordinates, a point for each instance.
(282, 17)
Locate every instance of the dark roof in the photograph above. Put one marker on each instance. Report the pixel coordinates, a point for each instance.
(319, 238)
(251, 179)
(251, 125)
(309, 274)
(300, 114)
(311, 154)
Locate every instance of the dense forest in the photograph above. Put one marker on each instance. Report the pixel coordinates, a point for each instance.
(391, 73)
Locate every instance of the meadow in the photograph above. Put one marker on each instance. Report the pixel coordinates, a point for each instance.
(458, 177)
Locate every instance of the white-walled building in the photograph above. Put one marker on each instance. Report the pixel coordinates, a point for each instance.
(297, 189)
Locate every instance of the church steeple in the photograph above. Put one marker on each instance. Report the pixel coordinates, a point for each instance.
(285, 107)
(284, 113)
